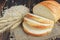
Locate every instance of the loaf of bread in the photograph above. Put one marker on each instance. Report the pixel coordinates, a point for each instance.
(37, 25)
(42, 21)
(48, 9)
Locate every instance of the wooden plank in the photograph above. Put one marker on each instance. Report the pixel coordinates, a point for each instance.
(2, 4)
(4, 35)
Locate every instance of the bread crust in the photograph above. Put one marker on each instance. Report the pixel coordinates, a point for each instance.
(43, 34)
(54, 3)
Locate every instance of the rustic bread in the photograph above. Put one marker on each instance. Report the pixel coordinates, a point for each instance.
(53, 8)
(47, 10)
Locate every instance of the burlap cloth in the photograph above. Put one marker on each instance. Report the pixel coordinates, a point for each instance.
(19, 34)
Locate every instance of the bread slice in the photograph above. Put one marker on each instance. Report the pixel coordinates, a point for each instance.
(35, 24)
(47, 10)
(39, 18)
(35, 32)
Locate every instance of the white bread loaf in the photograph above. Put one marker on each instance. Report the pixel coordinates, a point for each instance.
(53, 8)
(47, 10)
(37, 25)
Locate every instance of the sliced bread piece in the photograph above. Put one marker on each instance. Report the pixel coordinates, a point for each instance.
(35, 32)
(39, 18)
(35, 24)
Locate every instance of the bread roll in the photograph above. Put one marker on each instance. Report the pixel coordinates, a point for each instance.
(47, 10)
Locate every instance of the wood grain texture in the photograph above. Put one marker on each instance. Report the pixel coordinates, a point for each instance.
(2, 4)
(4, 35)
